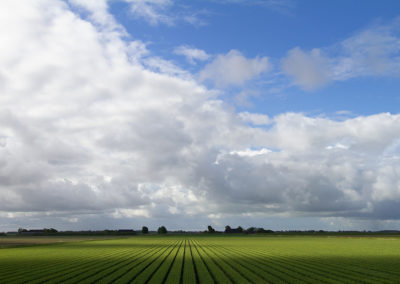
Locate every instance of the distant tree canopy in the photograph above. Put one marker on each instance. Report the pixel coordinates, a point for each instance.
(229, 230)
(210, 229)
(253, 230)
(162, 230)
(51, 230)
(145, 230)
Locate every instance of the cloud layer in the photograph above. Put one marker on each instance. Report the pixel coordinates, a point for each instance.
(86, 128)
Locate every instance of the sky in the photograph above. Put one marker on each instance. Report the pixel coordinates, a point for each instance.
(118, 114)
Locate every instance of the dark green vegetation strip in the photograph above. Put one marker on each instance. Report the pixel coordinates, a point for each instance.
(206, 259)
(217, 274)
(203, 272)
(174, 274)
(189, 275)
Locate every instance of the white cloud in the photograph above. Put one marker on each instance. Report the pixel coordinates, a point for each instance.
(250, 152)
(92, 136)
(153, 11)
(308, 70)
(233, 69)
(191, 54)
(168, 12)
(372, 52)
(337, 146)
(255, 118)
(165, 66)
(98, 10)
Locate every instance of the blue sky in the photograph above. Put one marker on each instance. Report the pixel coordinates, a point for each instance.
(271, 29)
(274, 113)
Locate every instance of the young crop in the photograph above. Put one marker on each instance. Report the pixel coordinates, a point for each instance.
(189, 275)
(206, 259)
(174, 275)
(161, 273)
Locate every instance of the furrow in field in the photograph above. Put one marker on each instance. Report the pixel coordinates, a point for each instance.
(232, 275)
(299, 268)
(340, 273)
(76, 275)
(189, 276)
(139, 273)
(266, 268)
(30, 276)
(217, 274)
(147, 272)
(202, 260)
(194, 265)
(56, 259)
(247, 261)
(281, 271)
(236, 275)
(252, 273)
(161, 273)
(37, 266)
(96, 276)
(354, 268)
(174, 274)
(203, 272)
(125, 275)
(119, 272)
(235, 257)
(183, 265)
(124, 254)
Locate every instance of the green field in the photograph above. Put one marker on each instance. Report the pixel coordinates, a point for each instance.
(206, 259)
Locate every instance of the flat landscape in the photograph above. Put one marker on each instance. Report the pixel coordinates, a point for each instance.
(205, 259)
(7, 242)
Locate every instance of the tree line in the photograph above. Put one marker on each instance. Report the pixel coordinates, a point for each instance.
(145, 230)
(239, 229)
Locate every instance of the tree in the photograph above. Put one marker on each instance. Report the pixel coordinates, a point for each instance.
(227, 228)
(145, 230)
(251, 230)
(260, 231)
(21, 230)
(240, 229)
(210, 229)
(162, 230)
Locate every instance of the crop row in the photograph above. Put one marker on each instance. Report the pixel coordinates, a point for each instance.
(185, 260)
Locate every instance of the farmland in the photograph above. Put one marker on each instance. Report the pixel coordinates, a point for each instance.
(206, 259)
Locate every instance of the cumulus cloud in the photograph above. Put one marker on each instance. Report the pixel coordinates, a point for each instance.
(91, 137)
(308, 69)
(191, 54)
(233, 69)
